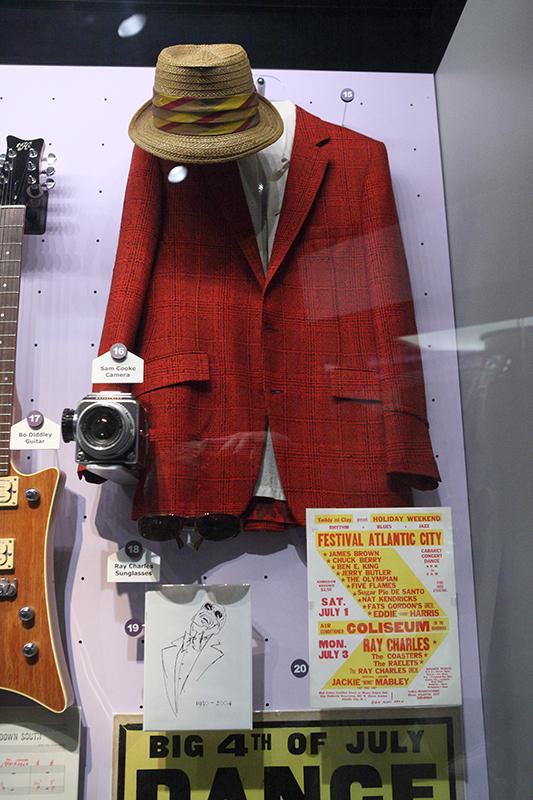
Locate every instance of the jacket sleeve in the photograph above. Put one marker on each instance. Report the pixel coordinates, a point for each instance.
(136, 253)
(408, 446)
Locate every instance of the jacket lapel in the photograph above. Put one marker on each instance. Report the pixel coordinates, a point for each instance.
(308, 163)
(225, 186)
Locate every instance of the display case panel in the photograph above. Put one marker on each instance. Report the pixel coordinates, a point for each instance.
(64, 293)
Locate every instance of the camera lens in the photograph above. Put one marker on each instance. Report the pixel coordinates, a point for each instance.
(106, 431)
(103, 427)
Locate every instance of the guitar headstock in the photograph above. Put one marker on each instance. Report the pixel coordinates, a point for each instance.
(25, 180)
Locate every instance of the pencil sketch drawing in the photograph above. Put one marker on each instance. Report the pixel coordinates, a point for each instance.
(186, 659)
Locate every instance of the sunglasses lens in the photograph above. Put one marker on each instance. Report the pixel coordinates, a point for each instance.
(217, 527)
(160, 529)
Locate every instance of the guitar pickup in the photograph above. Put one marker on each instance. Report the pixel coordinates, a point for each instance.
(9, 491)
(7, 555)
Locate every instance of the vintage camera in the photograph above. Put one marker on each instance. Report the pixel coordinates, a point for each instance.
(109, 428)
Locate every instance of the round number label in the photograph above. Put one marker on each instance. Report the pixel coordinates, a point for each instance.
(347, 95)
(134, 550)
(133, 627)
(118, 351)
(35, 419)
(299, 668)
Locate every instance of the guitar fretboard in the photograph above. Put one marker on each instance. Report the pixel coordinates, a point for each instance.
(11, 236)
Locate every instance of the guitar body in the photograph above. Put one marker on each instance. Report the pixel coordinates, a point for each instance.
(31, 659)
(25, 542)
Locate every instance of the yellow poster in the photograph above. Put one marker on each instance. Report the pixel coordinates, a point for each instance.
(289, 757)
(382, 608)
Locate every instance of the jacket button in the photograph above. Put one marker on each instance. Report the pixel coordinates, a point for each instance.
(276, 391)
(270, 328)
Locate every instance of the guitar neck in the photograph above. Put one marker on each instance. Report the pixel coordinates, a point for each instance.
(11, 236)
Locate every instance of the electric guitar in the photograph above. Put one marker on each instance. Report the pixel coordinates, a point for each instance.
(32, 662)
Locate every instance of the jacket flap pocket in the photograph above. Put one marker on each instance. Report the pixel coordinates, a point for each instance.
(175, 368)
(349, 383)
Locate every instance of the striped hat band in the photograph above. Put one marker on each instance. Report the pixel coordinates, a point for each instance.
(196, 116)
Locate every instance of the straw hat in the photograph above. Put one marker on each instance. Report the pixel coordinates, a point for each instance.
(204, 108)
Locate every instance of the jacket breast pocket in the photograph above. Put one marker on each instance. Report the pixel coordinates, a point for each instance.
(329, 233)
(356, 385)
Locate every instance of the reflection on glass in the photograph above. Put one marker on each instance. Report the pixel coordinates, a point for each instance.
(177, 174)
(131, 26)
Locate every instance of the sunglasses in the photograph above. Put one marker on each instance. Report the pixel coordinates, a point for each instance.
(213, 527)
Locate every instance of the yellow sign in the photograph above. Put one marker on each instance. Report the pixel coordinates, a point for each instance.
(382, 618)
(290, 757)
(392, 652)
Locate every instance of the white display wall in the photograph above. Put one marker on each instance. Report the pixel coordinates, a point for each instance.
(83, 113)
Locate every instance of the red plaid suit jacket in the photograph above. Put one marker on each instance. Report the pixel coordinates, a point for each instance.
(315, 347)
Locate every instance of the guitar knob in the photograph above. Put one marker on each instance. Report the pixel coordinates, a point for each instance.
(26, 614)
(8, 588)
(30, 649)
(32, 495)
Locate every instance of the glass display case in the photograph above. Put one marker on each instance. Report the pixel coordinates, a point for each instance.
(280, 315)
